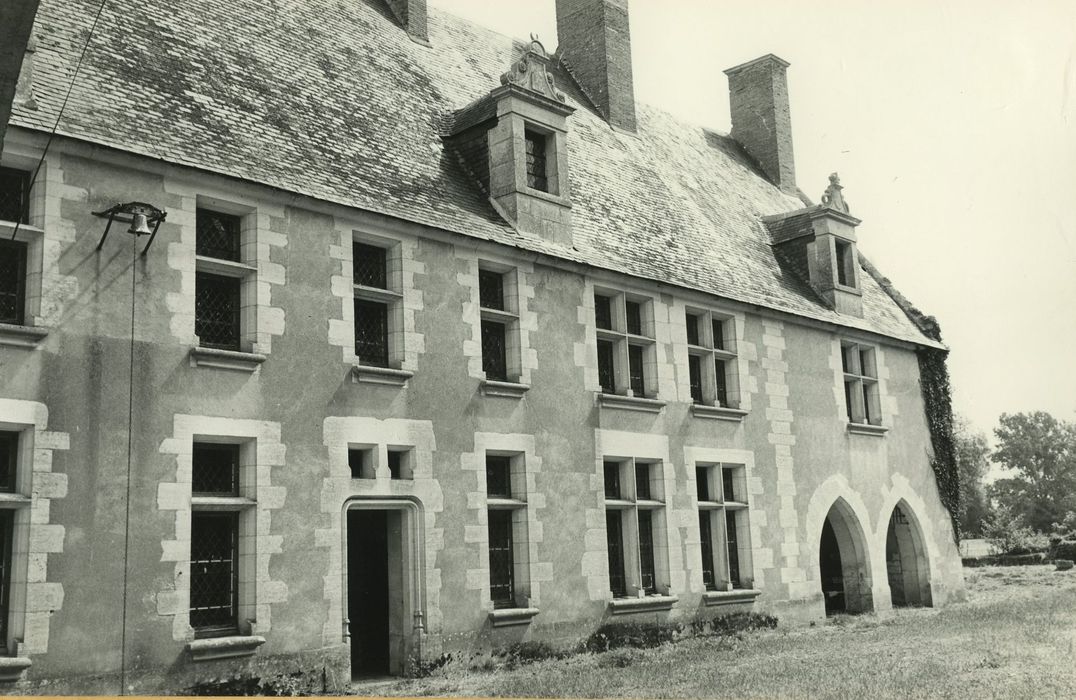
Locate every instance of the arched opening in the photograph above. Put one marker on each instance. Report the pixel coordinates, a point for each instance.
(906, 560)
(843, 563)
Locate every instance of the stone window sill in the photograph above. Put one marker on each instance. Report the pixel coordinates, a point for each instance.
(650, 603)
(549, 197)
(21, 336)
(224, 647)
(507, 617)
(718, 412)
(226, 359)
(742, 595)
(11, 667)
(368, 374)
(867, 429)
(631, 403)
(512, 390)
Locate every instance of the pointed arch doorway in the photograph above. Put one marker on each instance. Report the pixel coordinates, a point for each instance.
(907, 565)
(844, 563)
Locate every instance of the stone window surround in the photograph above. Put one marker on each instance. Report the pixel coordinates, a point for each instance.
(613, 445)
(33, 599)
(736, 376)
(629, 504)
(885, 405)
(851, 264)
(260, 452)
(519, 320)
(44, 237)
(260, 320)
(624, 397)
(528, 532)
(405, 344)
(751, 548)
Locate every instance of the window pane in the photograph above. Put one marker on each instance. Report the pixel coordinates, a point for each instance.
(356, 459)
(727, 484)
(214, 572)
(14, 195)
(9, 460)
(721, 382)
(494, 357)
(215, 469)
(501, 559)
(498, 476)
(844, 263)
(606, 367)
(634, 312)
(847, 361)
(395, 464)
(694, 371)
(642, 482)
(7, 527)
(372, 332)
(369, 266)
(536, 161)
(718, 326)
(707, 551)
(615, 544)
(692, 329)
(702, 483)
(612, 480)
(868, 414)
(603, 312)
(635, 370)
(734, 553)
(217, 234)
(866, 362)
(216, 311)
(646, 551)
(12, 281)
(491, 289)
(848, 388)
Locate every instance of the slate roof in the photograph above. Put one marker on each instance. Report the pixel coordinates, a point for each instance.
(331, 99)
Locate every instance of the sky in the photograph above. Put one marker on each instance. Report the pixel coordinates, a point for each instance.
(953, 128)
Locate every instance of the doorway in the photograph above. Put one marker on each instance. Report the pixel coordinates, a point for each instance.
(843, 562)
(906, 561)
(380, 588)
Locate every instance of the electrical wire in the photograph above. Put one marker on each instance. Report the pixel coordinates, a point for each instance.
(63, 106)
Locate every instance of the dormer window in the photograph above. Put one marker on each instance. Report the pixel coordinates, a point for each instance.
(537, 175)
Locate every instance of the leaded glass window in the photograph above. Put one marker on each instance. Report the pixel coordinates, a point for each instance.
(606, 367)
(646, 551)
(491, 289)
(642, 482)
(214, 577)
(537, 175)
(626, 354)
(372, 332)
(216, 311)
(9, 460)
(723, 520)
(721, 383)
(12, 281)
(692, 321)
(694, 368)
(14, 195)
(603, 313)
(494, 351)
(215, 469)
(637, 378)
(217, 234)
(501, 559)
(498, 476)
(369, 265)
(707, 540)
(615, 544)
(643, 506)
(612, 480)
(734, 550)
(633, 310)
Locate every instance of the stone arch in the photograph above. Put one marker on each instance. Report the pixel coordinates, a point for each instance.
(844, 561)
(907, 559)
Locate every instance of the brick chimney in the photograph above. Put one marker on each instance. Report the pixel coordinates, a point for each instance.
(412, 16)
(758, 98)
(595, 44)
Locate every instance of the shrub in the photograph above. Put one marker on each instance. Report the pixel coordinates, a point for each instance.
(638, 635)
(524, 653)
(1010, 535)
(1065, 549)
(1063, 564)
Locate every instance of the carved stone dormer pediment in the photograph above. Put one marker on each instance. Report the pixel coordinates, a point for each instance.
(531, 72)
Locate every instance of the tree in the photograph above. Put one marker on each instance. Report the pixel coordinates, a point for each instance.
(972, 460)
(1041, 450)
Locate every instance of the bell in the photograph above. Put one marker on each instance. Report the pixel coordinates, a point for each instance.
(139, 225)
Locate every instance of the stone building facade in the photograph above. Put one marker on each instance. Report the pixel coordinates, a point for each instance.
(444, 343)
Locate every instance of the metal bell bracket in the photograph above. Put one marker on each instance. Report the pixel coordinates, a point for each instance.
(139, 215)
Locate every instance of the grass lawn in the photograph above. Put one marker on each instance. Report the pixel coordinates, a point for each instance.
(1014, 638)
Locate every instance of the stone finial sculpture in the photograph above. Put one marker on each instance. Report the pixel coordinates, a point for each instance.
(833, 197)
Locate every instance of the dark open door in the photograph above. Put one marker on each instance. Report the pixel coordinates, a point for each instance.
(368, 591)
